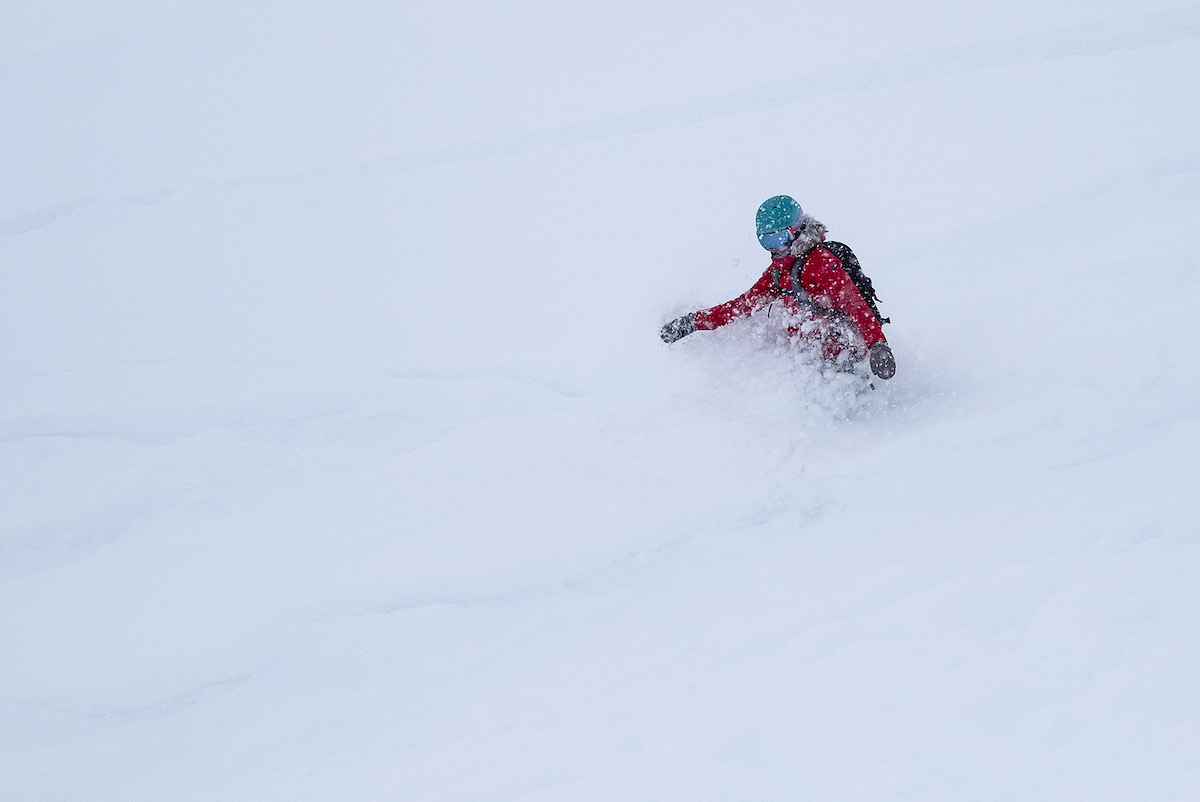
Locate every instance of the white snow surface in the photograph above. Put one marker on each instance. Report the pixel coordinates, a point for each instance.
(340, 458)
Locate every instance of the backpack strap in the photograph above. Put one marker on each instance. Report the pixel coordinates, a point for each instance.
(798, 292)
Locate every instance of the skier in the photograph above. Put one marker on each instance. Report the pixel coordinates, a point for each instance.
(824, 307)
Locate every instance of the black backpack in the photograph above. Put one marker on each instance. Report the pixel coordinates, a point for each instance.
(854, 270)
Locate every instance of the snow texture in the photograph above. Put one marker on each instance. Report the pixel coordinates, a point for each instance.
(341, 458)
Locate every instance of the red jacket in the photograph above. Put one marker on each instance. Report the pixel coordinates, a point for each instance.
(821, 276)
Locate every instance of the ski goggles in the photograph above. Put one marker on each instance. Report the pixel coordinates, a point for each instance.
(775, 239)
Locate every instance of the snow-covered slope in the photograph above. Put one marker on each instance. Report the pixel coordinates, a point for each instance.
(341, 459)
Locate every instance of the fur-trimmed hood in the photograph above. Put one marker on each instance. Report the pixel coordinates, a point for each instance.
(808, 236)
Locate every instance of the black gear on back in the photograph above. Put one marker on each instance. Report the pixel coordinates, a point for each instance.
(854, 270)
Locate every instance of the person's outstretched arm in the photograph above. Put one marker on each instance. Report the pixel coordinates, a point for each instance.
(750, 301)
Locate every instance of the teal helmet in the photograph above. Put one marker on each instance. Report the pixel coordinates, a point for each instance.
(776, 214)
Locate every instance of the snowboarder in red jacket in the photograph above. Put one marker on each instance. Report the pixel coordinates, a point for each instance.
(824, 306)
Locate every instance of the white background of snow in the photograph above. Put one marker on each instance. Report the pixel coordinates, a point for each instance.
(340, 458)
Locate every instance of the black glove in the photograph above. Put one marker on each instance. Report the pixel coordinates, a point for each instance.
(678, 329)
(883, 364)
